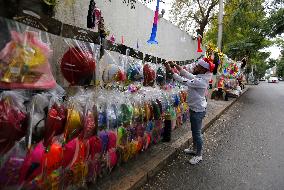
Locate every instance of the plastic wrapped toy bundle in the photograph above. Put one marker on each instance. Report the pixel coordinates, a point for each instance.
(25, 59)
(135, 70)
(78, 63)
(112, 70)
(149, 75)
(13, 119)
(74, 122)
(11, 165)
(161, 75)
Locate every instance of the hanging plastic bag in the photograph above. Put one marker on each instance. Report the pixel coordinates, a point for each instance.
(94, 162)
(74, 123)
(13, 119)
(11, 166)
(161, 75)
(135, 70)
(52, 159)
(112, 159)
(70, 153)
(111, 69)
(31, 167)
(78, 63)
(149, 75)
(55, 121)
(24, 61)
(37, 114)
(89, 124)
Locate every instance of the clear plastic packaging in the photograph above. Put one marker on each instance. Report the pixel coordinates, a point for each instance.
(78, 61)
(161, 75)
(112, 68)
(24, 61)
(13, 119)
(11, 165)
(149, 74)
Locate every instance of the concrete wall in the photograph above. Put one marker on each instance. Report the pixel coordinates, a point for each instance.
(134, 25)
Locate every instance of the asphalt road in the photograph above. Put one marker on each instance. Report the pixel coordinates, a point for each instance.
(244, 149)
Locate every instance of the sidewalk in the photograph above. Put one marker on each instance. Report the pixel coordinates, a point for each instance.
(137, 171)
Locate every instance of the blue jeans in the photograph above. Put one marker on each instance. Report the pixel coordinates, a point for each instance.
(196, 125)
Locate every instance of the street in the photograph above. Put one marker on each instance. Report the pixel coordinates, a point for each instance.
(244, 149)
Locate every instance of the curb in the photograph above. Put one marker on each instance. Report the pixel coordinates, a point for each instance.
(138, 176)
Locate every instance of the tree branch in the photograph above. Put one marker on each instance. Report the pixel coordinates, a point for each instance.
(200, 8)
(213, 4)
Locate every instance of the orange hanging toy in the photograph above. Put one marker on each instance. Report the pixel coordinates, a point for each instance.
(199, 38)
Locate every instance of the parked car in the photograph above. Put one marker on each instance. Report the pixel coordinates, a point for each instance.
(262, 79)
(273, 80)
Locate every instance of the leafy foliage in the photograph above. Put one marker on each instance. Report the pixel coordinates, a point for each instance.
(243, 33)
(192, 15)
(276, 23)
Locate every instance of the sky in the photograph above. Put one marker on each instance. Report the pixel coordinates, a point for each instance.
(275, 51)
(166, 6)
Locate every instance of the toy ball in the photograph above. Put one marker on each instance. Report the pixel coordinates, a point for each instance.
(78, 66)
(121, 135)
(73, 125)
(70, 152)
(105, 140)
(161, 76)
(96, 147)
(52, 158)
(149, 75)
(31, 166)
(126, 113)
(134, 72)
(113, 73)
(111, 140)
(55, 122)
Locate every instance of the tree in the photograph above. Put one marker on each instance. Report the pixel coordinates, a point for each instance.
(275, 21)
(193, 15)
(243, 29)
(280, 68)
(259, 60)
(280, 65)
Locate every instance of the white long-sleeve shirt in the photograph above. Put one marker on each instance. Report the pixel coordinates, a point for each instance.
(197, 87)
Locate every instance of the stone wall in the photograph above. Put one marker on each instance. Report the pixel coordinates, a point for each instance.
(134, 25)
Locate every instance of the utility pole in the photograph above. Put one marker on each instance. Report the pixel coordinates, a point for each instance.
(220, 24)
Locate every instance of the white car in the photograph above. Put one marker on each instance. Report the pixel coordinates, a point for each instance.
(273, 80)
